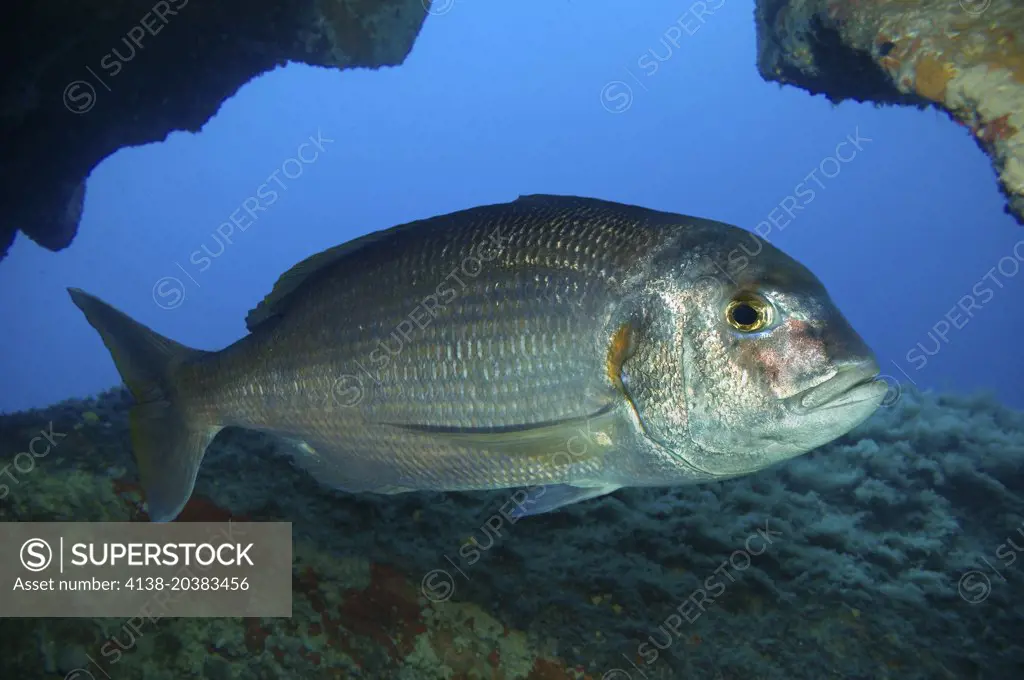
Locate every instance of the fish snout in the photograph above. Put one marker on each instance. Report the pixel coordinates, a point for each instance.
(853, 382)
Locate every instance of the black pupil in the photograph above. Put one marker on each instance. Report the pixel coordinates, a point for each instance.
(744, 315)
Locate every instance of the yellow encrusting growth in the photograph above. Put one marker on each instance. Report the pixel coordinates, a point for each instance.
(964, 57)
(932, 78)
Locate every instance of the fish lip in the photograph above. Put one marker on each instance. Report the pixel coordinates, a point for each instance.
(852, 384)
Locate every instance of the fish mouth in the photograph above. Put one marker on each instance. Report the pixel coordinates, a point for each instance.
(852, 384)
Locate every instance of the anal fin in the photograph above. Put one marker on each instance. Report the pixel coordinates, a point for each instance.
(558, 496)
(343, 471)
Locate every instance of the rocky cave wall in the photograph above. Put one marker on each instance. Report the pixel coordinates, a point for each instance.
(84, 79)
(965, 57)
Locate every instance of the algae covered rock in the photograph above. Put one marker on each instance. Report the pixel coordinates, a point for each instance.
(889, 553)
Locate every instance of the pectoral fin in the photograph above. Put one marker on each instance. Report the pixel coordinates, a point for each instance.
(567, 441)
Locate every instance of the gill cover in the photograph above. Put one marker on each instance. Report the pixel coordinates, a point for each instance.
(677, 376)
(652, 375)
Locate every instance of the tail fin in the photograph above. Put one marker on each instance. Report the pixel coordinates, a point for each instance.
(169, 443)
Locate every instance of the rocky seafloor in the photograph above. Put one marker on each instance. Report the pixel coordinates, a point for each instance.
(891, 553)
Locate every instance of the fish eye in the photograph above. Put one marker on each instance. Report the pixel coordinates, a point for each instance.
(748, 313)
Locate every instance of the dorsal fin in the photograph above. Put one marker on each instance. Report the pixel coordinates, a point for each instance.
(280, 297)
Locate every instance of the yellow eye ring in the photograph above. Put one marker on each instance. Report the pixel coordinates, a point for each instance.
(748, 313)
